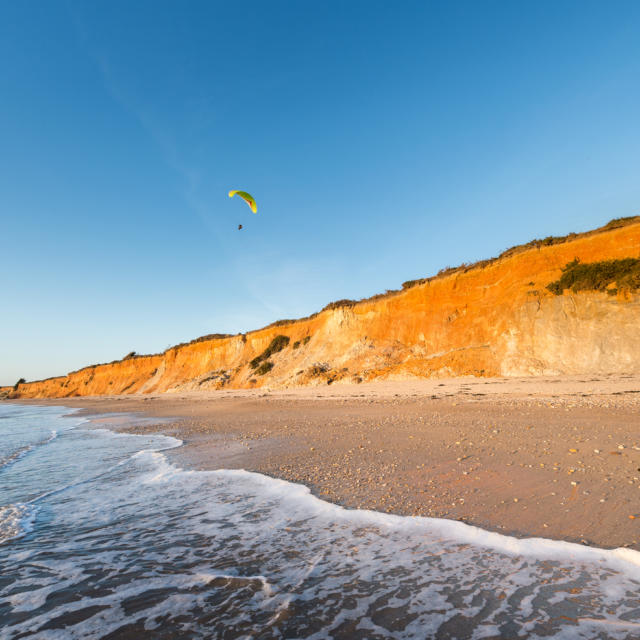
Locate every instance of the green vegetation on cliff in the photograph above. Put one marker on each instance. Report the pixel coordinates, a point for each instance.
(265, 367)
(598, 276)
(277, 344)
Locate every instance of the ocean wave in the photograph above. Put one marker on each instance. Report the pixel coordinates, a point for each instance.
(19, 453)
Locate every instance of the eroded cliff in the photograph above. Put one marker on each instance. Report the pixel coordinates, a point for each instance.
(496, 318)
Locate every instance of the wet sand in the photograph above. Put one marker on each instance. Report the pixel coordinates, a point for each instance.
(550, 457)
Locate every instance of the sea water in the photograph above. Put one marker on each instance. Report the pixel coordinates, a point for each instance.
(102, 537)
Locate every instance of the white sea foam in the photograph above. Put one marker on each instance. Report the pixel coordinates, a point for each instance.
(620, 559)
(143, 545)
(161, 442)
(16, 520)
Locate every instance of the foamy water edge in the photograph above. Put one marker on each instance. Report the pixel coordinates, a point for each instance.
(621, 559)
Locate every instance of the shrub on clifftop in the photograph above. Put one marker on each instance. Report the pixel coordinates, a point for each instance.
(597, 276)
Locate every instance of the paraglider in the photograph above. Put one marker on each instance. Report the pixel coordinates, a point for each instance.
(247, 197)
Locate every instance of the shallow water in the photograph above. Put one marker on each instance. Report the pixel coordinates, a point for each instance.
(103, 538)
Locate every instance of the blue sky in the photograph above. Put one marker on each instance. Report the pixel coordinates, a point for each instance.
(382, 141)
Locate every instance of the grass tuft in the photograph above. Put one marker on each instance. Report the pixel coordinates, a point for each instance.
(339, 304)
(265, 367)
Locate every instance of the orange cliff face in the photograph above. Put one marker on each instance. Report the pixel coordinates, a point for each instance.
(492, 320)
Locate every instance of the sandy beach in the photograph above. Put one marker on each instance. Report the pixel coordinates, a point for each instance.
(548, 457)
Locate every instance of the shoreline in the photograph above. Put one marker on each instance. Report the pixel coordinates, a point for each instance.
(555, 458)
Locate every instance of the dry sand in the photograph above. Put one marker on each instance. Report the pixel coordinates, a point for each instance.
(550, 457)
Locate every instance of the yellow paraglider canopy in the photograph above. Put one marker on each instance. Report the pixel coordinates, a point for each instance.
(247, 197)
